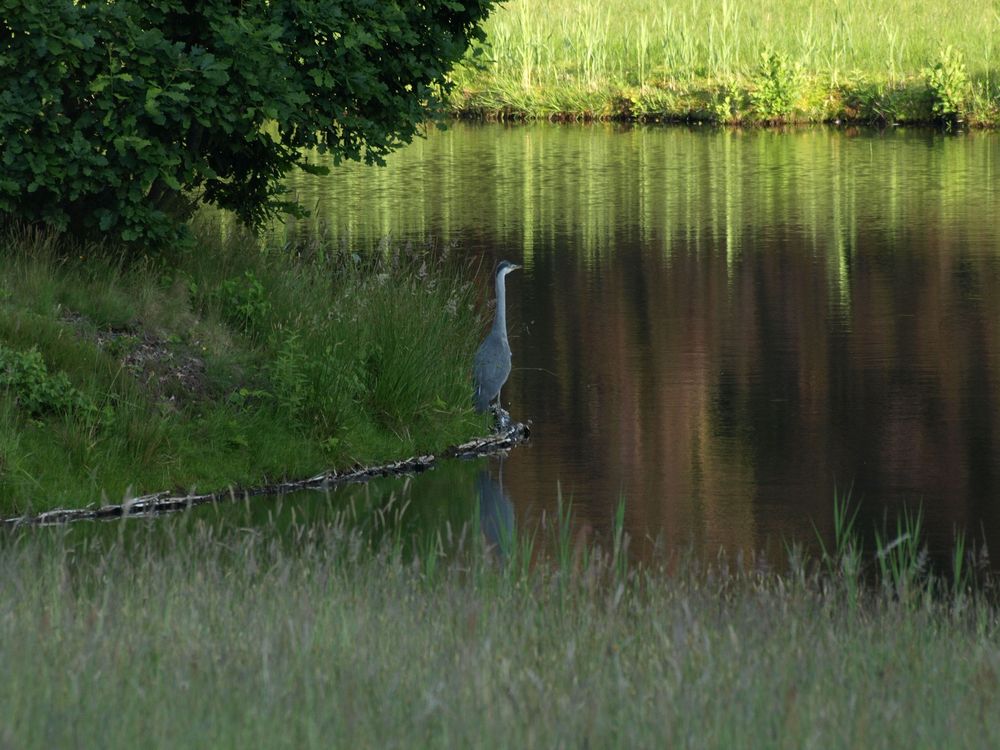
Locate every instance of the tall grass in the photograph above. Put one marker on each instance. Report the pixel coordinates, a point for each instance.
(230, 362)
(196, 632)
(684, 58)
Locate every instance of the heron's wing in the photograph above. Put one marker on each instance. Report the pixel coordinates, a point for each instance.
(492, 362)
(490, 369)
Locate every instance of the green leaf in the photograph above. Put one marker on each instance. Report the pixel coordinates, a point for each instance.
(152, 108)
(99, 84)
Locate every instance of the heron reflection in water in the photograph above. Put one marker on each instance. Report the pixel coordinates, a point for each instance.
(491, 366)
(496, 511)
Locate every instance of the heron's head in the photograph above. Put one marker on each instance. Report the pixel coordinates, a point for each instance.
(504, 267)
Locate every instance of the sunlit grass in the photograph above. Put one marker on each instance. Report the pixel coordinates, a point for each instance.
(697, 60)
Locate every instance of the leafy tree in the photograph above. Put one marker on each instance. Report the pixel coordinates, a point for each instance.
(117, 118)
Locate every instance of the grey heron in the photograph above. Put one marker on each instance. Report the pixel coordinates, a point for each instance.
(491, 365)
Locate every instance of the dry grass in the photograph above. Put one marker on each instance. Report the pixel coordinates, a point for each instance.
(233, 631)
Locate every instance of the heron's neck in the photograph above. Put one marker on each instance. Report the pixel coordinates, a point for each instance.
(500, 321)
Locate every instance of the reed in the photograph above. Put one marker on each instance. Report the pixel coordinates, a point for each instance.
(682, 59)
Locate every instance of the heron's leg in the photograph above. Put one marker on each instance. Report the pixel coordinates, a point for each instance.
(503, 417)
(500, 416)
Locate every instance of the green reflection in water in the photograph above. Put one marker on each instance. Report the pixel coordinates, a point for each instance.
(527, 186)
(440, 504)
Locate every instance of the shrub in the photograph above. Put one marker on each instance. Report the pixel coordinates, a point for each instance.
(244, 303)
(36, 391)
(117, 117)
(949, 86)
(775, 87)
(727, 104)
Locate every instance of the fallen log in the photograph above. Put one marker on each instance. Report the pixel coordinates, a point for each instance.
(166, 502)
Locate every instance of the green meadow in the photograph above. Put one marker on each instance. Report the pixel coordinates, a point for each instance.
(881, 62)
(228, 362)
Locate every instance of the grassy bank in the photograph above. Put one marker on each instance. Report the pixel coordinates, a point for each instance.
(191, 632)
(906, 61)
(225, 363)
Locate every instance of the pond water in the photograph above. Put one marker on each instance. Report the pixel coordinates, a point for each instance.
(721, 328)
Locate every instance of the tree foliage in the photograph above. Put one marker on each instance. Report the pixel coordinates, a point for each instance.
(117, 118)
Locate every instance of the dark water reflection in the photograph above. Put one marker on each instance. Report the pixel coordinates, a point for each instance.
(722, 327)
(496, 510)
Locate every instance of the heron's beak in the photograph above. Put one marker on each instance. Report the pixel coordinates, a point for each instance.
(515, 266)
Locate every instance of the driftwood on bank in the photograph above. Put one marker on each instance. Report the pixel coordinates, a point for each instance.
(166, 502)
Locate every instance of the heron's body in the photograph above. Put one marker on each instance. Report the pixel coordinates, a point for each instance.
(491, 366)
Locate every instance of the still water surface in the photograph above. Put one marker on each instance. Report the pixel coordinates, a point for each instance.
(720, 327)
